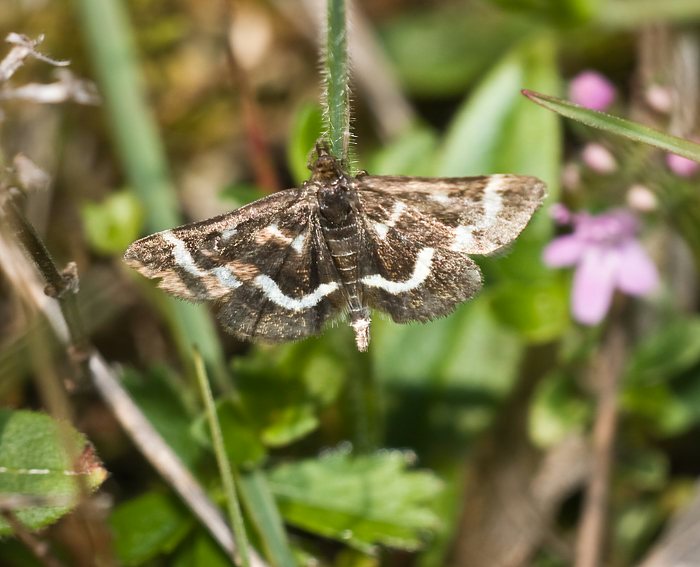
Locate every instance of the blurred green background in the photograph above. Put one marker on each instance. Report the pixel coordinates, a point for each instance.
(465, 441)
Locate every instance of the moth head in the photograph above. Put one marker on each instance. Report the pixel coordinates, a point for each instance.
(324, 167)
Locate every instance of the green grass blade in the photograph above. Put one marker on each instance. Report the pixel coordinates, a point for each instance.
(135, 132)
(111, 44)
(619, 126)
(262, 510)
(225, 467)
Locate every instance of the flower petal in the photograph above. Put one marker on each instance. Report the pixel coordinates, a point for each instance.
(637, 274)
(563, 251)
(594, 283)
(592, 90)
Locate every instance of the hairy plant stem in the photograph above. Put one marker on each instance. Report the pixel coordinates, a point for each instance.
(336, 92)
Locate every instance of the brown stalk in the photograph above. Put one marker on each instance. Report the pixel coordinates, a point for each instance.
(38, 548)
(605, 373)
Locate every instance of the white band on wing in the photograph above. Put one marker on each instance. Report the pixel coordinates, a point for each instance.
(184, 259)
(492, 203)
(421, 271)
(272, 291)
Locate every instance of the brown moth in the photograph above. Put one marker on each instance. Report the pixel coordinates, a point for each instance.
(284, 266)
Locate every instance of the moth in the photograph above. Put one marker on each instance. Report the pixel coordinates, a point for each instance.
(283, 267)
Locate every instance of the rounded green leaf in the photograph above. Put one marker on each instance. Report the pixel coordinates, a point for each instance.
(42, 465)
(147, 526)
(110, 226)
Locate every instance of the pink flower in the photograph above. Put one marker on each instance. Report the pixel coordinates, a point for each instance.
(598, 158)
(592, 90)
(682, 167)
(607, 256)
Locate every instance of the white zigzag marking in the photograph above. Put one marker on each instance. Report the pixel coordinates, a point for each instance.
(184, 259)
(463, 238)
(383, 228)
(421, 271)
(270, 288)
(274, 231)
(442, 199)
(297, 243)
(492, 203)
(227, 234)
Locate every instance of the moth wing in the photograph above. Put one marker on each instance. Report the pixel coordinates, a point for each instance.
(294, 293)
(261, 264)
(406, 269)
(478, 215)
(183, 259)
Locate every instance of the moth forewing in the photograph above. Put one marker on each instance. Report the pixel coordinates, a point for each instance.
(282, 267)
(480, 215)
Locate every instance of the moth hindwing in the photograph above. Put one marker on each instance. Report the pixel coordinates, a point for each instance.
(284, 266)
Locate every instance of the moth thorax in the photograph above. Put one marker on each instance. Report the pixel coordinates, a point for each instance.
(334, 204)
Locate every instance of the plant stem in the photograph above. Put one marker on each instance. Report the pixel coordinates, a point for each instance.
(605, 371)
(225, 467)
(38, 547)
(58, 285)
(336, 92)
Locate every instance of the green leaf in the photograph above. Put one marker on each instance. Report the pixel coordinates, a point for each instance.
(468, 350)
(669, 408)
(662, 379)
(306, 131)
(263, 513)
(349, 557)
(442, 51)
(493, 131)
(616, 125)
(460, 366)
(557, 410)
(564, 12)
(241, 439)
(538, 311)
(201, 551)
(361, 500)
(37, 461)
(113, 224)
(305, 378)
(411, 153)
(665, 354)
(147, 526)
